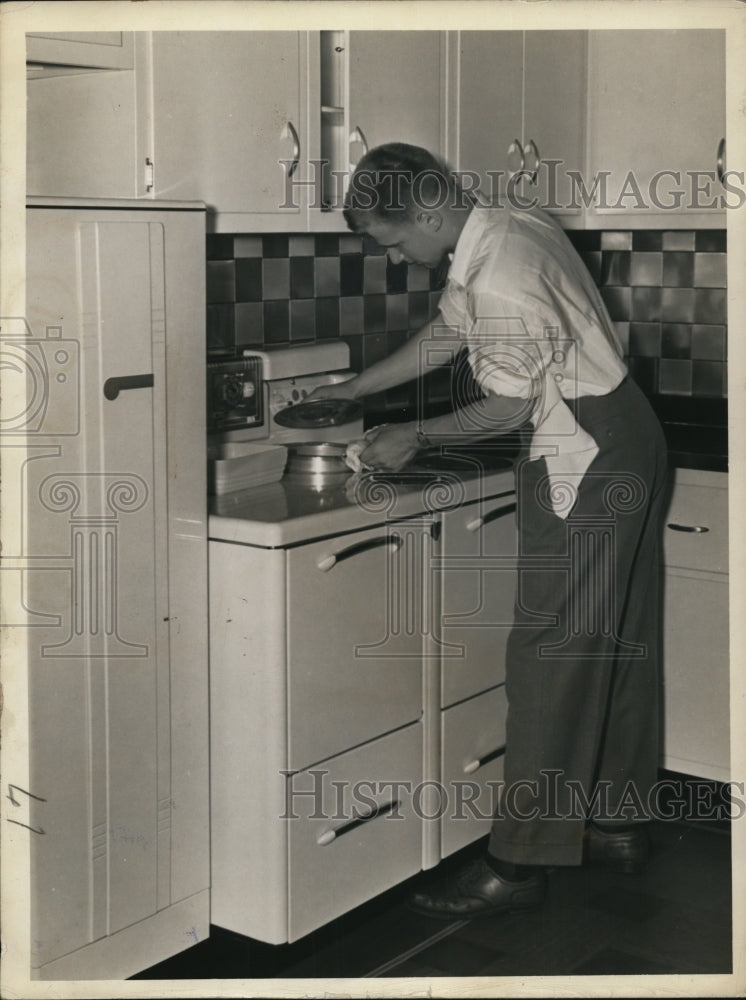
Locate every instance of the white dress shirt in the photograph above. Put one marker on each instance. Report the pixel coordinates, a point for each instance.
(536, 327)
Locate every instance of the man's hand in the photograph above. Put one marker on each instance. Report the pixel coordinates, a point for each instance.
(392, 447)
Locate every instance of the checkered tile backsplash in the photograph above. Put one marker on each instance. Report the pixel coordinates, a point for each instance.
(665, 291)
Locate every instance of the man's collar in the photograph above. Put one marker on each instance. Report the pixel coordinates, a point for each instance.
(466, 245)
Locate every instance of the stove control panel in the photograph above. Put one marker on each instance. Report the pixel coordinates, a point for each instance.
(234, 394)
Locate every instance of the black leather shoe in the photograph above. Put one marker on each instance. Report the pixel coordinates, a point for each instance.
(626, 851)
(476, 891)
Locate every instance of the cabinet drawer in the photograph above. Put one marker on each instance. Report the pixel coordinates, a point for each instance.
(355, 626)
(696, 528)
(473, 735)
(337, 858)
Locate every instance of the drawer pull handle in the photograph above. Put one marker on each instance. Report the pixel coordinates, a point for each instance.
(325, 563)
(474, 765)
(697, 529)
(113, 386)
(493, 515)
(329, 836)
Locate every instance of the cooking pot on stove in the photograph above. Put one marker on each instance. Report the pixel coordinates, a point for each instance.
(318, 461)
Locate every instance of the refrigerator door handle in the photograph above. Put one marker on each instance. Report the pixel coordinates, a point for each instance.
(113, 386)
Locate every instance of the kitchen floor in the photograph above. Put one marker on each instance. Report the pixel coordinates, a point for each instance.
(673, 919)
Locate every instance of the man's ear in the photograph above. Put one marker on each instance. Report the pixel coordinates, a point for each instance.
(430, 221)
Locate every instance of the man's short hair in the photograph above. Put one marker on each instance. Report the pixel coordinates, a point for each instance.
(393, 181)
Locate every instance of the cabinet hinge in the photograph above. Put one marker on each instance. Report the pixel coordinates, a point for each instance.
(149, 174)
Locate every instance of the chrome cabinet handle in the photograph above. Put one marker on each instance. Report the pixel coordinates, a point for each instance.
(113, 386)
(473, 765)
(290, 133)
(329, 836)
(698, 529)
(325, 563)
(533, 172)
(493, 515)
(516, 147)
(720, 163)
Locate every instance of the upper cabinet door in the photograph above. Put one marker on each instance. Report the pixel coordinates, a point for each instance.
(554, 115)
(656, 117)
(488, 74)
(520, 103)
(395, 89)
(81, 49)
(229, 124)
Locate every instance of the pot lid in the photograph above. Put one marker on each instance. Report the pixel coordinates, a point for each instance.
(319, 413)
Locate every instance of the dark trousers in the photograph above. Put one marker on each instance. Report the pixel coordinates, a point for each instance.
(583, 654)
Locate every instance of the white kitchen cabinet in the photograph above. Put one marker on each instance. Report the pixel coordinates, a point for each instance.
(473, 746)
(316, 676)
(518, 101)
(85, 131)
(53, 52)
(475, 572)
(230, 121)
(696, 700)
(113, 572)
(656, 121)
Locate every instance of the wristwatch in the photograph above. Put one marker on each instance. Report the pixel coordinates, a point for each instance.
(423, 441)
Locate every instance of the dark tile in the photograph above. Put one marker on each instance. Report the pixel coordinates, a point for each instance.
(374, 313)
(351, 274)
(627, 903)
(708, 342)
(585, 239)
(676, 340)
(675, 376)
(219, 246)
(439, 274)
(275, 245)
(276, 322)
(276, 278)
(221, 281)
(302, 319)
(710, 270)
(327, 275)
(678, 239)
(419, 309)
(351, 315)
(645, 340)
(708, 378)
(371, 248)
(622, 332)
(645, 373)
(221, 327)
(327, 318)
(615, 267)
(678, 269)
(618, 302)
(646, 269)
(355, 345)
(712, 240)
(249, 324)
(710, 305)
(456, 956)
(375, 348)
(647, 239)
(249, 279)
(613, 962)
(302, 277)
(327, 245)
(396, 277)
(677, 305)
(592, 260)
(645, 305)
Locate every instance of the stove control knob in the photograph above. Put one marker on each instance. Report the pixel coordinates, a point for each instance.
(249, 390)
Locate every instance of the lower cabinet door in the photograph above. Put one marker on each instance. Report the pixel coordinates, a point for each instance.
(473, 744)
(696, 681)
(477, 576)
(355, 605)
(353, 828)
